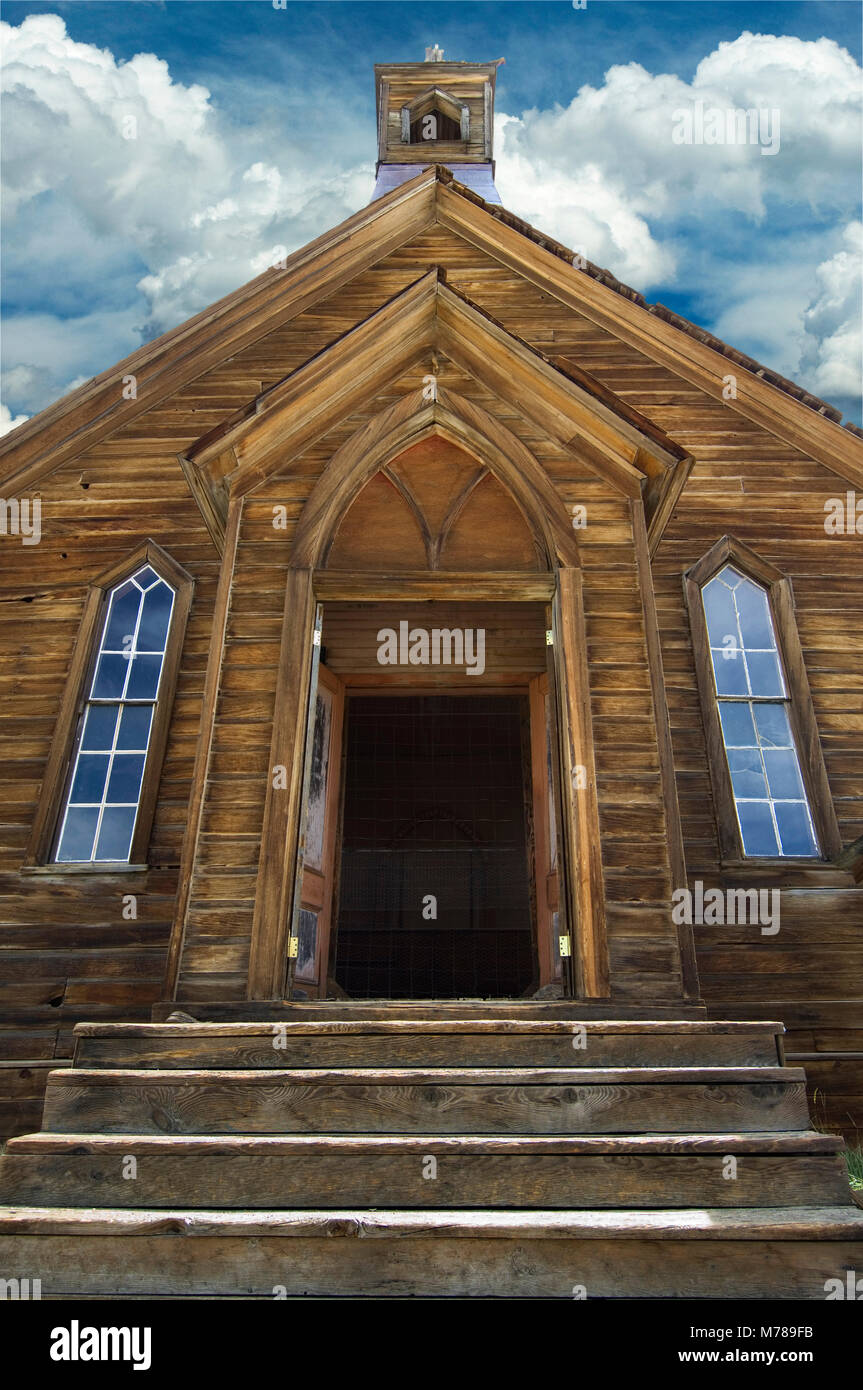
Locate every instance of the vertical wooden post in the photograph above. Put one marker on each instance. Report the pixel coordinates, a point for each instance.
(203, 752)
(277, 862)
(585, 888)
(676, 852)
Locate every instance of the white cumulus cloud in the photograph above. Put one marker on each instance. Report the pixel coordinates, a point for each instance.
(132, 201)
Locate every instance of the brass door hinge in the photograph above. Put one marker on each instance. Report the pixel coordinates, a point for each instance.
(549, 637)
(565, 945)
(293, 944)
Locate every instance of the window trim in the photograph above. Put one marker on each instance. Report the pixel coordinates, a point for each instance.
(58, 770)
(801, 711)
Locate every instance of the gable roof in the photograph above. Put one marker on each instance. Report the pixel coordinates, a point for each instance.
(611, 437)
(96, 409)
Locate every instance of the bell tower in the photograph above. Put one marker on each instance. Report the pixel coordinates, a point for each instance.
(436, 112)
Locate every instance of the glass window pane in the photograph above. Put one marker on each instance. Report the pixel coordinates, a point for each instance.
(737, 726)
(795, 829)
(155, 619)
(754, 610)
(108, 770)
(747, 774)
(764, 673)
(115, 835)
(109, 683)
(125, 780)
(756, 827)
(719, 612)
(729, 576)
(729, 671)
(77, 840)
(783, 774)
(122, 618)
(135, 727)
(774, 731)
(88, 783)
(144, 677)
(99, 727)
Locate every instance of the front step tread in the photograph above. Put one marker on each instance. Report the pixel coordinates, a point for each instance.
(466, 1024)
(714, 1223)
(427, 1076)
(766, 1142)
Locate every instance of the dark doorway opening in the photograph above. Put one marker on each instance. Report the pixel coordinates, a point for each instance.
(436, 820)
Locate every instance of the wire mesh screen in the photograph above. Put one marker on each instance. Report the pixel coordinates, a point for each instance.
(434, 897)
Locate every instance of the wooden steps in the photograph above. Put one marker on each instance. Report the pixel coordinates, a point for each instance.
(364, 1100)
(449, 1042)
(350, 1253)
(320, 1171)
(511, 1156)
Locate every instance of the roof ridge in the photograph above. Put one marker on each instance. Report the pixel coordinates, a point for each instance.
(607, 278)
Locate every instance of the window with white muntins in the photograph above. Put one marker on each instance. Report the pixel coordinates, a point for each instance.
(754, 704)
(97, 822)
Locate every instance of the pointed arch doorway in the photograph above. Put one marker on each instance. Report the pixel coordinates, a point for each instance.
(436, 727)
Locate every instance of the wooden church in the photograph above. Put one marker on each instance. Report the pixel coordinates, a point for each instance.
(433, 742)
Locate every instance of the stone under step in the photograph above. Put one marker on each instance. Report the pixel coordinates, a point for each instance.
(710, 1253)
(467, 1041)
(318, 1171)
(363, 1100)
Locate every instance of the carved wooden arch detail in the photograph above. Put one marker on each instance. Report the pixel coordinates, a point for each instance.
(462, 423)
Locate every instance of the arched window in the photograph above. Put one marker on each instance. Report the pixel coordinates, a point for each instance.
(769, 781)
(100, 786)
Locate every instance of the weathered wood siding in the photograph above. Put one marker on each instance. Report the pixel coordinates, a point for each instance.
(66, 952)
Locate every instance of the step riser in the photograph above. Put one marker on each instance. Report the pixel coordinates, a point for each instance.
(239, 1181)
(218, 1107)
(504, 1267)
(473, 1050)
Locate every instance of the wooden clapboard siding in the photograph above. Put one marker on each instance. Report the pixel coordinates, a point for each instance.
(514, 640)
(772, 498)
(66, 951)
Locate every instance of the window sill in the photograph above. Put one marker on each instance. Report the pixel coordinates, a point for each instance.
(773, 861)
(772, 869)
(106, 867)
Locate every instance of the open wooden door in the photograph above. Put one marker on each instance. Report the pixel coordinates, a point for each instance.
(553, 935)
(310, 937)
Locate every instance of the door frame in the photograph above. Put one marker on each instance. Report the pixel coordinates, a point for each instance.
(580, 864)
(314, 886)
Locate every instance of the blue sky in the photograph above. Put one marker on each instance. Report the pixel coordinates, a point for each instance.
(108, 241)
